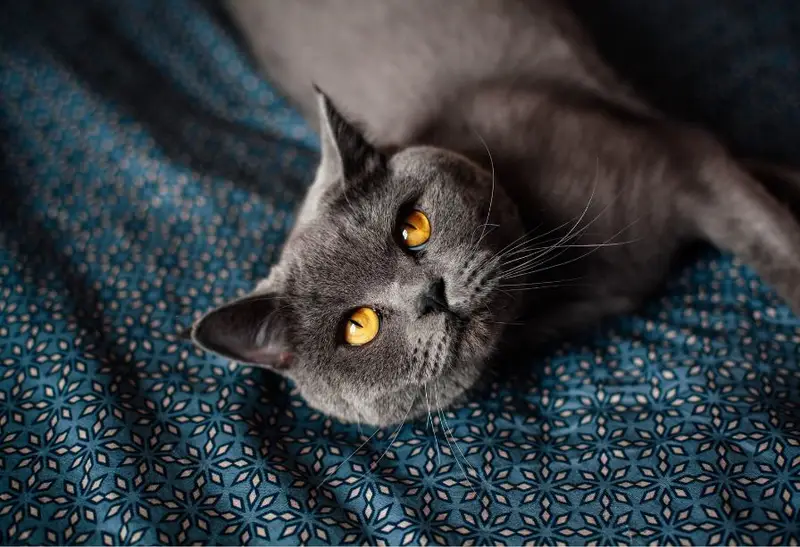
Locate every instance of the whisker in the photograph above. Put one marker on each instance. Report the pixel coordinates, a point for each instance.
(563, 248)
(396, 434)
(525, 246)
(582, 215)
(489, 224)
(514, 243)
(455, 458)
(511, 246)
(472, 467)
(492, 228)
(489, 311)
(584, 255)
(521, 241)
(607, 244)
(508, 294)
(540, 283)
(532, 262)
(558, 245)
(445, 430)
(353, 453)
(524, 289)
(526, 259)
(529, 260)
(569, 245)
(491, 197)
(583, 230)
(433, 427)
(518, 245)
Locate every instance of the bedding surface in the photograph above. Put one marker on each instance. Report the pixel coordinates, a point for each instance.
(149, 172)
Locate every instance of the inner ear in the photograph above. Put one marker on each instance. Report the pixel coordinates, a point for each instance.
(251, 330)
(346, 153)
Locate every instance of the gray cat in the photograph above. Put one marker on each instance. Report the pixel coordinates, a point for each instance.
(486, 182)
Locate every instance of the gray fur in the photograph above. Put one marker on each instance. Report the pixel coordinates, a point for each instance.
(556, 196)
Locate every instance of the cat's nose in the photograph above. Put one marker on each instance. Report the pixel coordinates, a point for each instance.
(433, 299)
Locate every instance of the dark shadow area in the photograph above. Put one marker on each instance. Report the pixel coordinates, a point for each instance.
(75, 31)
(42, 256)
(731, 66)
(146, 94)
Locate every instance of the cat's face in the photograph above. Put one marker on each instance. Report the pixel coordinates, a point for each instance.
(385, 302)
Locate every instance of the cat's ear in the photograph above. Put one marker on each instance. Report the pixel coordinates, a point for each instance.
(346, 153)
(251, 330)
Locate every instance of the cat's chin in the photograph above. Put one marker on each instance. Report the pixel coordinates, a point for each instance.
(407, 404)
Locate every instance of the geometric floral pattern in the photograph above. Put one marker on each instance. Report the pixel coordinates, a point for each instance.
(149, 173)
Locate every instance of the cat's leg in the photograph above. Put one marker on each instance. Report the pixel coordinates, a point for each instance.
(735, 212)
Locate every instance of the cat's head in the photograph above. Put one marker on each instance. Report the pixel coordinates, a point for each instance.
(385, 302)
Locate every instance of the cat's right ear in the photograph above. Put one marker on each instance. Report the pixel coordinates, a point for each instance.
(251, 330)
(346, 154)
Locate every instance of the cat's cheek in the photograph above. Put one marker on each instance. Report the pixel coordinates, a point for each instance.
(479, 343)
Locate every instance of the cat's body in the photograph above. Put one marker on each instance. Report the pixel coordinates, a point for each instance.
(581, 183)
(396, 64)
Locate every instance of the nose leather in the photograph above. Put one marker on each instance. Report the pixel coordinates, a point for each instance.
(433, 298)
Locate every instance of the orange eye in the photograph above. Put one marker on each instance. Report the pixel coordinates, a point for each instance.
(362, 327)
(415, 230)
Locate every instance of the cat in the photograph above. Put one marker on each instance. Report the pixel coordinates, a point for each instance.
(486, 182)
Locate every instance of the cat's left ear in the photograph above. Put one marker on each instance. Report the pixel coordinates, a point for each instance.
(346, 153)
(251, 330)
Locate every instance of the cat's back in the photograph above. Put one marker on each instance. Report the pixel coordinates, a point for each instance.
(394, 62)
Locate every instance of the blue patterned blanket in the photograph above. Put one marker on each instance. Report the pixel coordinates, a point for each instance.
(149, 172)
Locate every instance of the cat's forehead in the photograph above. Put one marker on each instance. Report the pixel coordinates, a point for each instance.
(338, 259)
(351, 248)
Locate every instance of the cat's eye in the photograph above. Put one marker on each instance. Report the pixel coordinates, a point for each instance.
(362, 326)
(415, 230)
